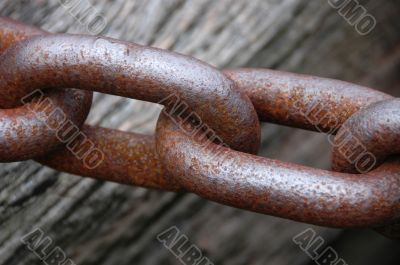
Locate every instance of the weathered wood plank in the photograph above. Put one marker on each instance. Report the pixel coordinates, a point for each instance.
(106, 223)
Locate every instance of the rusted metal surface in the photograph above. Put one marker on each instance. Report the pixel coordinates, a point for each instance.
(279, 188)
(276, 91)
(12, 31)
(24, 131)
(130, 70)
(285, 189)
(303, 101)
(375, 129)
(263, 185)
(175, 161)
(129, 159)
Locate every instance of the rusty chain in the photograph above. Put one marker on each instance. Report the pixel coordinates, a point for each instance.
(229, 102)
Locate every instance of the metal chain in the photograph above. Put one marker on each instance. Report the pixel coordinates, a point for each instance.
(202, 101)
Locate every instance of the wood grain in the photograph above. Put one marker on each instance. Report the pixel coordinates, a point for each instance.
(107, 223)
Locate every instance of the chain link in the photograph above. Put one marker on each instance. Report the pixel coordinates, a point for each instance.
(363, 190)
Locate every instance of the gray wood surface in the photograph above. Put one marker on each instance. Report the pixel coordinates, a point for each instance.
(105, 223)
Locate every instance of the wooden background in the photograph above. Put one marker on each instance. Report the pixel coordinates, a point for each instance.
(106, 223)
